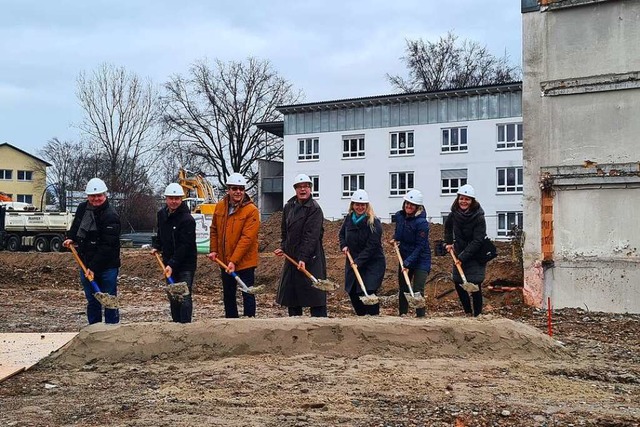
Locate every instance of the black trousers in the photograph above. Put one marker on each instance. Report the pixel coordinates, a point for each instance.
(476, 300)
(230, 289)
(418, 280)
(182, 309)
(317, 311)
(361, 308)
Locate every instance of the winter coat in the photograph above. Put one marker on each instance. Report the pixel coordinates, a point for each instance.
(99, 249)
(302, 230)
(365, 247)
(412, 235)
(466, 231)
(177, 239)
(235, 237)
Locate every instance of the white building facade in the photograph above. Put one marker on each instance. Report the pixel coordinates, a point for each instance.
(431, 141)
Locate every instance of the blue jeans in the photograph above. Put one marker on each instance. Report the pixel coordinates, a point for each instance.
(182, 310)
(108, 283)
(229, 289)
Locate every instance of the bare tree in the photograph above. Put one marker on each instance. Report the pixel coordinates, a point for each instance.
(119, 123)
(447, 64)
(69, 168)
(212, 112)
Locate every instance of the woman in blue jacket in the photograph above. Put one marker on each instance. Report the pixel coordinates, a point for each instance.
(412, 236)
(361, 235)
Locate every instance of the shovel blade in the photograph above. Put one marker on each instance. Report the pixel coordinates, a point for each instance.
(107, 301)
(177, 291)
(324, 285)
(371, 299)
(470, 287)
(416, 300)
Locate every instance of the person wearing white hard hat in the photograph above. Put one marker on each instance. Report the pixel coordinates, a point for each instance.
(302, 231)
(96, 232)
(412, 236)
(234, 241)
(176, 241)
(361, 236)
(464, 231)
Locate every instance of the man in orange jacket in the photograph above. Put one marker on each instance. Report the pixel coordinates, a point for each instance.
(234, 240)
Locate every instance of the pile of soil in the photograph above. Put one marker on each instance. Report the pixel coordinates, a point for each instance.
(501, 369)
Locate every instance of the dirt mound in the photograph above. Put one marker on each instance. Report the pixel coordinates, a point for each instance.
(214, 339)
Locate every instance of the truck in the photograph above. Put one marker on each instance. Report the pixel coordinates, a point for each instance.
(43, 231)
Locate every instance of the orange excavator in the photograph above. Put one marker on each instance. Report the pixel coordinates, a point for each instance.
(199, 193)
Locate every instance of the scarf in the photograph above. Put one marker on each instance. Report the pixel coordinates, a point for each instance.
(357, 218)
(88, 222)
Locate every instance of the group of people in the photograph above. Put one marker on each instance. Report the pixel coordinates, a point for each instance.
(234, 243)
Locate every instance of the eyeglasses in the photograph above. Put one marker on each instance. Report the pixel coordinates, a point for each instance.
(298, 186)
(234, 188)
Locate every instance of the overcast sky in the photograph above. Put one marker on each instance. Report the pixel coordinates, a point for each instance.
(329, 49)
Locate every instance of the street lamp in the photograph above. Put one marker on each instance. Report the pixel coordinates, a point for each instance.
(44, 192)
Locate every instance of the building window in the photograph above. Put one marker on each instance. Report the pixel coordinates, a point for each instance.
(451, 180)
(508, 220)
(401, 182)
(510, 136)
(5, 173)
(352, 146)
(510, 180)
(454, 140)
(25, 175)
(315, 190)
(308, 149)
(401, 143)
(25, 198)
(351, 183)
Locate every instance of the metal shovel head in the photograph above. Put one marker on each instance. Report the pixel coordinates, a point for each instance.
(371, 299)
(415, 301)
(177, 291)
(324, 285)
(254, 289)
(470, 287)
(107, 301)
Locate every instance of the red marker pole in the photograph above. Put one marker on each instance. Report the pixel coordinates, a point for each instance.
(549, 328)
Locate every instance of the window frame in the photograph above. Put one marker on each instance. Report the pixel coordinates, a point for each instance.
(450, 189)
(409, 137)
(359, 177)
(446, 146)
(22, 198)
(517, 187)
(315, 188)
(4, 173)
(349, 153)
(504, 217)
(311, 149)
(398, 191)
(24, 174)
(509, 145)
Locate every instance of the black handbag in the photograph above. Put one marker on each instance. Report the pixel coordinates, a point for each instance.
(487, 252)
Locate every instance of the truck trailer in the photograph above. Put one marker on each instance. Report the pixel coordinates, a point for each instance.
(43, 231)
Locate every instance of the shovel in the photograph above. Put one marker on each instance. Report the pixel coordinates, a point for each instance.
(322, 284)
(174, 290)
(366, 298)
(107, 301)
(415, 300)
(467, 286)
(243, 286)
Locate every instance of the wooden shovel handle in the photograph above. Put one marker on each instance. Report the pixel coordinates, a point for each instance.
(79, 261)
(160, 263)
(457, 262)
(404, 272)
(221, 263)
(304, 270)
(354, 266)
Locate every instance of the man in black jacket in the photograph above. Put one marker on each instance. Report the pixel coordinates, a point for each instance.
(177, 242)
(96, 232)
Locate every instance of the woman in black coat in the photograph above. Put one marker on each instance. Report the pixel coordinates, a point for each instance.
(361, 235)
(464, 232)
(302, 230)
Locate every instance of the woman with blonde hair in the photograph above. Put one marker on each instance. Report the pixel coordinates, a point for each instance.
(361, 235)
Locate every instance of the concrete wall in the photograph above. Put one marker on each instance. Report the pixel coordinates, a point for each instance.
(481, 161)
(584, 59)
(14, 160)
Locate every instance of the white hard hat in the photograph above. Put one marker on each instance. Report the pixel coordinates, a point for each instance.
(174, 189)
(95, 186)
(360, 196)
(467, 190)
(300, 178)
(236, 179)
(414, 196)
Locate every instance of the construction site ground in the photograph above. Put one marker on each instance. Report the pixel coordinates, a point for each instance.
(501, 369)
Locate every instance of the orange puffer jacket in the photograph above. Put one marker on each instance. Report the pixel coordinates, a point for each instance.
(235, 237)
